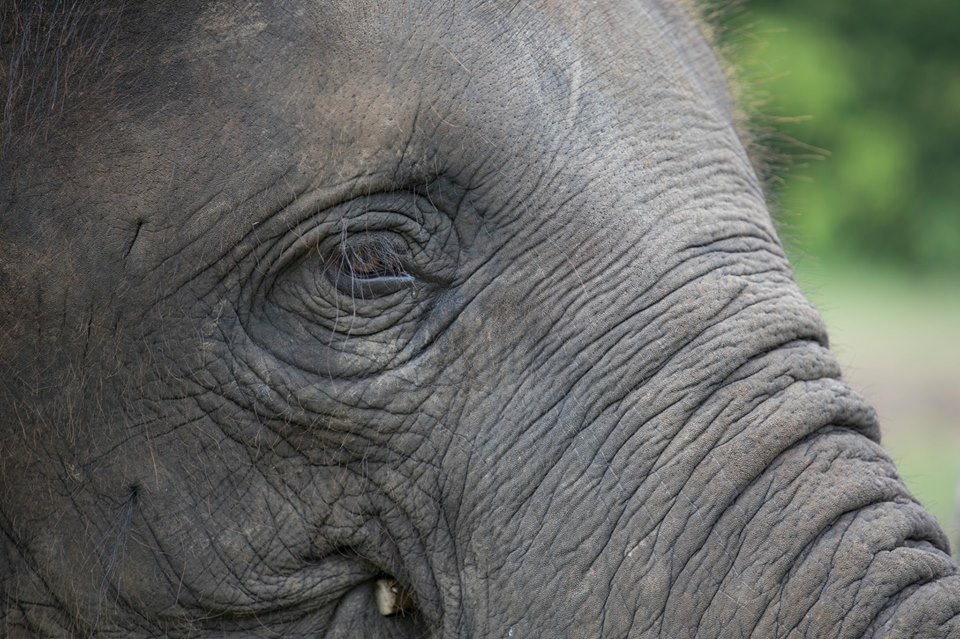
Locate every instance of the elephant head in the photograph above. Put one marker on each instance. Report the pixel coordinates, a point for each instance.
(393, 318)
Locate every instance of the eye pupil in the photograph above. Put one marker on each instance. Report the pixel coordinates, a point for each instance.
(368, 263)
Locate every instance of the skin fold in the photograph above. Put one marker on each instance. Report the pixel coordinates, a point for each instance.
(416, 319)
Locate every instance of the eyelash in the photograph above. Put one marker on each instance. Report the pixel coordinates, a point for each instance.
(368, 267)
(369, 261)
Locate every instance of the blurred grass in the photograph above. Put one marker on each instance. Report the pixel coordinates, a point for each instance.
(897, 336)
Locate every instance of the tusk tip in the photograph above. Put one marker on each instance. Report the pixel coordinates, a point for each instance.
(391, 598)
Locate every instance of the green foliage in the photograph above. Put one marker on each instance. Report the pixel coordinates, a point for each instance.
(865, 97)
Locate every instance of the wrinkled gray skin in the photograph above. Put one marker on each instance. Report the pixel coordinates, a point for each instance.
(589, 402)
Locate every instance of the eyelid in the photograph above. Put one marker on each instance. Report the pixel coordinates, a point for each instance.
(370, 260)
(371, 288)
(383, 255)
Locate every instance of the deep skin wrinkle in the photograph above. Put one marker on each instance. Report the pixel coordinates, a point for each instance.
(481, 301)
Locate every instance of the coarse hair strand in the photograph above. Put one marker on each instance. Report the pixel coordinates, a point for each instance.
(52, 53)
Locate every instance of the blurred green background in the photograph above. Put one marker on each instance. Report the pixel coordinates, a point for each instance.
(857, 109)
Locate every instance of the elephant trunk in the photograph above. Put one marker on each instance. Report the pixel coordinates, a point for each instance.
(806, 527)
(740, 494)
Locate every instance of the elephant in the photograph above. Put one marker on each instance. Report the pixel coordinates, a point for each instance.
(398, 318)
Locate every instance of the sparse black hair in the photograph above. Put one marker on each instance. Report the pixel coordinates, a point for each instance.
(52, 54)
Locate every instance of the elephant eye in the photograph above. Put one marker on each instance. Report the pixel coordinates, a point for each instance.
(369, 262)
(368, 268)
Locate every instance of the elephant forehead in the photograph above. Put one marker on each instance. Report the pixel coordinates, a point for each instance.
(360, 72)
(502, 69)
(218, 102)
(352, 90)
